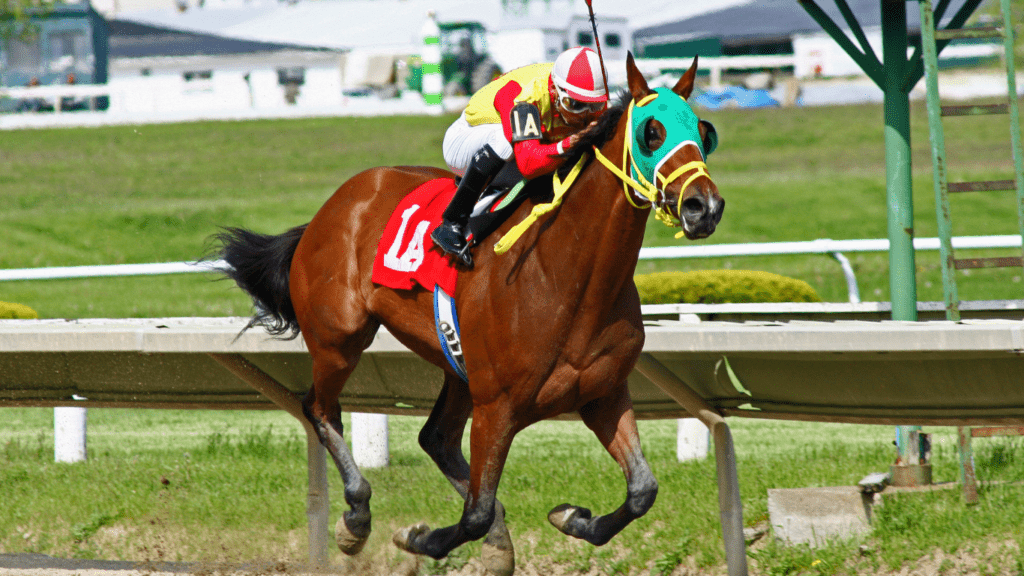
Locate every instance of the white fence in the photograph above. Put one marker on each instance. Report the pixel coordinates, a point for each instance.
(834, 248)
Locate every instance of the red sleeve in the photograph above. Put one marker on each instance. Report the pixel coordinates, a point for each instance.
(504, 101)
(535, 159)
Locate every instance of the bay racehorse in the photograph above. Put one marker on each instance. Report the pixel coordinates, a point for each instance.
(553, 325)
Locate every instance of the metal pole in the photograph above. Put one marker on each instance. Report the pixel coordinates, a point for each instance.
(942, 212)
(318, 501)
(899, 197)
(1015, 138)
(899, 191)
(317, 498)
(730, 507)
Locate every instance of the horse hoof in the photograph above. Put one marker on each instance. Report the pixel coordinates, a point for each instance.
(403, 537)
(348, 542)
(498, 561)
(564, 516)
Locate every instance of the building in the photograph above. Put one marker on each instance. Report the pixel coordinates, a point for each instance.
(65, 44)
(158, 69)
(783, 27)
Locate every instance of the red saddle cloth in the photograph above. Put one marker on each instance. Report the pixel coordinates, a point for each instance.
(406, 256)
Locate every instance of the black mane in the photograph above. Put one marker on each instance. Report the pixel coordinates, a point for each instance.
(601, 133)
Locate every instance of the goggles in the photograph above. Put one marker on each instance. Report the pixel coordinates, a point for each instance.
(574, 106)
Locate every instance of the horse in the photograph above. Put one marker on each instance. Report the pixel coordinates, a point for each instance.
(555, 324)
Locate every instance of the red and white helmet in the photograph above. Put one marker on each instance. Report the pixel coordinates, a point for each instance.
(577, 74)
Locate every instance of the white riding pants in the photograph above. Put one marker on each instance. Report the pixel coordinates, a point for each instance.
(462, 141)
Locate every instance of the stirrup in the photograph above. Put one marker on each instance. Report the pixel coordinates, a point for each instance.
(465, 256)
(448, 237)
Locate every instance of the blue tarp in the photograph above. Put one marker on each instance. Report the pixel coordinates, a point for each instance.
(735, 96)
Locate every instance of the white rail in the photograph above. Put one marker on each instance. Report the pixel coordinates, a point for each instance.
(67, 272)
(834, 248)
(55, 94)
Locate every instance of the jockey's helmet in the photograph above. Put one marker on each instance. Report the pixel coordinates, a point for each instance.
(578, 80)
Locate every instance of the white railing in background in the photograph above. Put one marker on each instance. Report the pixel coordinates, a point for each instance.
(54, 94)
(834, 248)
(69, 272)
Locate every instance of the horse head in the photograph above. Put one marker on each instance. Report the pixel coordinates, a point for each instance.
(666, 147)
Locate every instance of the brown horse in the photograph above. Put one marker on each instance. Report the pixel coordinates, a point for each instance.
(553, 326)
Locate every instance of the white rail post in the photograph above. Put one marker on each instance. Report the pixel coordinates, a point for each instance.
(370, 440)
(693, 439)
(430, 65)
(69, 434)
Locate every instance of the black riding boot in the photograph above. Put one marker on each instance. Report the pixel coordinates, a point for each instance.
(450, 235)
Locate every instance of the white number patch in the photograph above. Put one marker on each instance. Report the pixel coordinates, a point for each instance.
(525, 119)
(412, 258)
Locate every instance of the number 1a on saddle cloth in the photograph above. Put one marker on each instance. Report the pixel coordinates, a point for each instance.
(405, 255)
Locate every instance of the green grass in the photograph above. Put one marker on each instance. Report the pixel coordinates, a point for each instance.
(156, 193)
(230, 485)
(222, 486)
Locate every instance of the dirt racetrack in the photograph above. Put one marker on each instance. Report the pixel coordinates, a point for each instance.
(935, 564)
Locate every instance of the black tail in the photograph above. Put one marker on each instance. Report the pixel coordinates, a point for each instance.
(259, 264)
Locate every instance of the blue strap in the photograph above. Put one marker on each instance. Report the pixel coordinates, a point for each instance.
(446, 321)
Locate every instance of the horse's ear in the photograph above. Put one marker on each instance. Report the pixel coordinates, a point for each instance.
(685, 85)
(637, 85)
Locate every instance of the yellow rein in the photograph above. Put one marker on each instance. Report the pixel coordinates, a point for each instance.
(645, 188)
(539, 210)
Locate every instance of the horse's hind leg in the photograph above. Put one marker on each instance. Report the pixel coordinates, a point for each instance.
(612, 420)
(331, 368)
(490, 439)
(441, 438)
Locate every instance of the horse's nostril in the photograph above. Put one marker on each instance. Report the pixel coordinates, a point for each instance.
(693, 206)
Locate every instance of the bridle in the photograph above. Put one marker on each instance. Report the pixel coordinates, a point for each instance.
(643, 185)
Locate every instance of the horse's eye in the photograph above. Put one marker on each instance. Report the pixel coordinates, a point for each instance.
(654, 134)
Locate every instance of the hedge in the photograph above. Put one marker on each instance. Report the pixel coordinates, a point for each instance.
(10, 311)
(722, 287)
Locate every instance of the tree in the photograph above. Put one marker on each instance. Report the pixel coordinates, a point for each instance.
(15, 15)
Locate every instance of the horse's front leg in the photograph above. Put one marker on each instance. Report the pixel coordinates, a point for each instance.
(321, 408)
(490, 439)
(441, 438)
(612, 420)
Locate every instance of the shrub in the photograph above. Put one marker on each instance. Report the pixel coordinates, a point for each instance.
(10, 311)
(721, 287)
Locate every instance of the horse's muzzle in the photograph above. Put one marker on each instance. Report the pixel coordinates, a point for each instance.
(701, 211)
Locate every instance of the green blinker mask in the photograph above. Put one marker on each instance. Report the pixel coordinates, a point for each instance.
(681, 128)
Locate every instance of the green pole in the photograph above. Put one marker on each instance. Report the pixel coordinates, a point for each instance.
(902, 285)
(899, 197)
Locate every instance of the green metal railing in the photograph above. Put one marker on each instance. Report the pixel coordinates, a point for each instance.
(932, 41)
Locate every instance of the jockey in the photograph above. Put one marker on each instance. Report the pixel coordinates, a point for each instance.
(533, 113)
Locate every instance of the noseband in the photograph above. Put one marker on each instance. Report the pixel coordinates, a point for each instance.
(685, 131)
